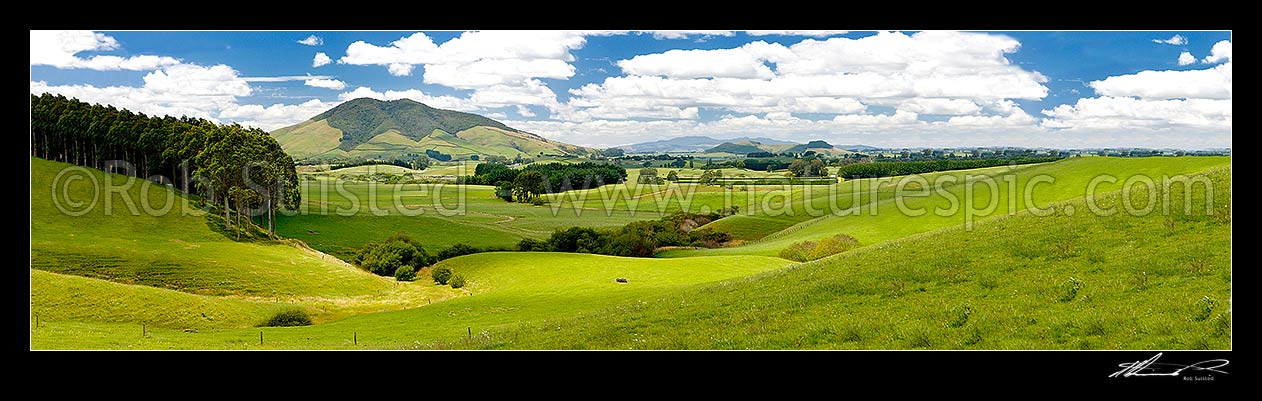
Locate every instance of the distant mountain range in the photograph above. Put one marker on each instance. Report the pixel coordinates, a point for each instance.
(375, 129)
(692, 144)
(739, 146)
(751, 146)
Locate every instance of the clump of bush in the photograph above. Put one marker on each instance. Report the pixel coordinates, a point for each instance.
(405, 273)
(384, 258)
(291, 317)
(806, 251)
(1204, 307)
(639, 238)
(441, 274)
(959, 316)
(457, 250)
(457, 281)
(1069, 289)
(461, 250)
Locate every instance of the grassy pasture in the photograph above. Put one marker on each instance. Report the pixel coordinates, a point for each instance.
(504, 289)
(1012, 281)
(1022, 282)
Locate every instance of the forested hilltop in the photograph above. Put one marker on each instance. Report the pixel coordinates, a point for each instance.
(229, 166)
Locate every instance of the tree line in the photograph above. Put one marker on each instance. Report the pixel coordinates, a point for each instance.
(886, 169)
(536, 179)
(418, 162)
(638, 239)
(236, 168)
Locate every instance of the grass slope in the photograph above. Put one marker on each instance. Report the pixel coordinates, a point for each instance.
(309, 139)
(505, 289)
(176, 250)
(182, 254)
(59, 297)
(1023, 282)
(1071, 178)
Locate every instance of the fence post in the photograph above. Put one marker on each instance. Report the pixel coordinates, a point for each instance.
(356, 337)
(144, 331)
(470, 333)
(260, 337)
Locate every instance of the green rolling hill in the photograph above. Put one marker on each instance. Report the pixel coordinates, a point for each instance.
(373, 129)
(179, 269)
(1064, 281)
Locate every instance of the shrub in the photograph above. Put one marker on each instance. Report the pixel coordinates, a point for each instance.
(457, 250)
(457, 281)
(385, 257)
(1204, 307)
(291, 317)
(806, 251)
(441, 274)
(959, 316)
(1069, 289)
(798, 252)
(833, 245)
(637, 239)
(405, 273)
(538, 201)
(529, 245)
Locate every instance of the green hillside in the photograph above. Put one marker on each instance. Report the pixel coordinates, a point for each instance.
(744, 147)
(373, 129)
(1023, 282)
(505, 289)
(171, 267)
(363, 118)
(886, 222)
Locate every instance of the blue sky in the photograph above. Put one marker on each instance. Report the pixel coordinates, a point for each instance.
(935, 88)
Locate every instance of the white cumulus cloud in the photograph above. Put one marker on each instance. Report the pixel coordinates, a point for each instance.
(1177, 40)
(1213, 83)
(1180, 107)
(442, 102)
(276, 115)
(61, 48)
(684, 34)
(513, 54)
(747, 61)
(496, 65)
(950, 73)
(320, 59)
(326, 83)
(1128, 112)
(183, 89)
(312, 41)
(940, 106)
(1186, 58)
(524, 111)
(1220, 52)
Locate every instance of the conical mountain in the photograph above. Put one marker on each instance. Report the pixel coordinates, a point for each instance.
(375, 129)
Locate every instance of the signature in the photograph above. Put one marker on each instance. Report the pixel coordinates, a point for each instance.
(1151, 367)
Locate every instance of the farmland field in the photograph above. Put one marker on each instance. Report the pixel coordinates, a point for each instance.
(610, 188)
(1013, 281)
